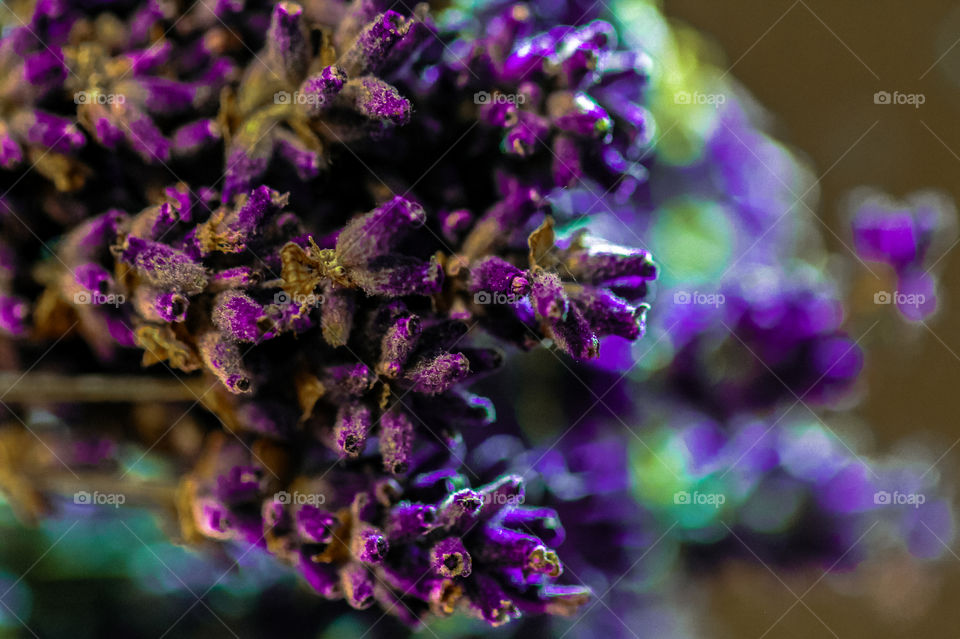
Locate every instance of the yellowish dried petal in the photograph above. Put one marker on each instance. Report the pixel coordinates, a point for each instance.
(541, 242)
(161, 344)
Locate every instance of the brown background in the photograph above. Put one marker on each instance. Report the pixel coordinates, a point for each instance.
(815, 64)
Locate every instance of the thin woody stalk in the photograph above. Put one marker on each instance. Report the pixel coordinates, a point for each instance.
(38, 388)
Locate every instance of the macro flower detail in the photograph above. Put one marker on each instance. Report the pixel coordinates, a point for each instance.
(345, 333)
(428, 544)
(361, 301)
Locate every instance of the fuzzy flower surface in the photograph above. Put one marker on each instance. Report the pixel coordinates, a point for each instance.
(341, 216)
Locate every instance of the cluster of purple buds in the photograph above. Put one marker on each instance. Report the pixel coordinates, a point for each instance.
(571, 89)
(783, 328)
(341, 215)
(791, 506)
(369, 325)
(428, 544)
(338, 317)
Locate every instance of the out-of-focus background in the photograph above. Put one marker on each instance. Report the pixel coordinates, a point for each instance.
(816, 65)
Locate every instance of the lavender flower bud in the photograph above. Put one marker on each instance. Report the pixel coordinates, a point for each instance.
(376, 100)
(375, 233)
(449, 558)
(397, 344)
(287, 47)
(396, 441)
(238, 316)
(336, 315)
(353, 424)
(315, 525)
(49, 131)
(374, 43)
(223, 358)
(192, 138)
(579, 114)
(369, 545)
(496, 275)
(321, 89)
(164, 267)
(438, 374)
(608, 314)
(323, 578)
(408, 521)
(358, 585)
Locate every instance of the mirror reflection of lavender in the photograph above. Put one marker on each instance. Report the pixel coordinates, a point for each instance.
(399, 317)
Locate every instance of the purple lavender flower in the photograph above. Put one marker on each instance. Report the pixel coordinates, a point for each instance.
(902, 235)
(338, 318)
(341, 216)
(427, 544)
